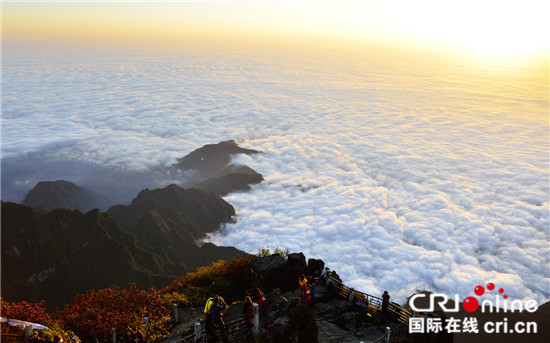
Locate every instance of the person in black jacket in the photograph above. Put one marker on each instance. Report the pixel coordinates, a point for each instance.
(138, 336)
(385, 301)
(217, 316)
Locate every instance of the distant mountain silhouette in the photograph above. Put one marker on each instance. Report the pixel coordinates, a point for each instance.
(209, 168)
(173, 219)
(56, 255)
(212, 158)
(49, 195)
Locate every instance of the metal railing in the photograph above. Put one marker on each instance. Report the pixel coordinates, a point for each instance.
(367, 302)
(235, 331)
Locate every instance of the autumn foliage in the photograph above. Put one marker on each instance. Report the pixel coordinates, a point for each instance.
(94, 314)
(228, 278)
(29, 312)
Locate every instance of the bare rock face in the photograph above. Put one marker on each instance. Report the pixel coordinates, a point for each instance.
(315, 267)
(298, 263)
(285, 320)
(275, 272)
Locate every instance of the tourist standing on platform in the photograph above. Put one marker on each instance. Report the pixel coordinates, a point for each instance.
(303, 285)
(385, 301)
(258, 298)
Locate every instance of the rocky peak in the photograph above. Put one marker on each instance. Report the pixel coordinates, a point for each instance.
(210, 168)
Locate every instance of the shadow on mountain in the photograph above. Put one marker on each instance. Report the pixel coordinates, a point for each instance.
(56, 255)
(150, 242)
(173, 219)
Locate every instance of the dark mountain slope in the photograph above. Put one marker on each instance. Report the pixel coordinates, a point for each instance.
(173, 219)
(54, 256)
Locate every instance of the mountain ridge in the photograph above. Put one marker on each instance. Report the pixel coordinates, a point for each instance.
(174, 219)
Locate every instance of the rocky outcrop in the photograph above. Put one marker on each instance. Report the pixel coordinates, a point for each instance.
(315, 267)
(272, 272)
(297, 262)
(276, 272)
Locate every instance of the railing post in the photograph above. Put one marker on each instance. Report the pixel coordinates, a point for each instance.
(113, 337)
(255, 319)
(28, 330)
(367, 299)
(388, 330)
(351, 295)
(146, 320)
(175, 309)
(197, 332)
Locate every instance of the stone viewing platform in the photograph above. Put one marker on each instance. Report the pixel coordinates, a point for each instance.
(336, 313)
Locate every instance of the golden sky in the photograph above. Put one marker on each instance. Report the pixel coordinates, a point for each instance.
(493, 28)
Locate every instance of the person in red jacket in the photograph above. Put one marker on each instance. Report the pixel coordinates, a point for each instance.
(303, 285)
(247, 310)
(309, 297)
(258, 298)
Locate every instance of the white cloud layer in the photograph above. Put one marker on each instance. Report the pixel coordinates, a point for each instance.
(401, 176)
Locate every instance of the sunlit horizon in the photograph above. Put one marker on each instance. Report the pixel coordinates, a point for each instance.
(495, 31)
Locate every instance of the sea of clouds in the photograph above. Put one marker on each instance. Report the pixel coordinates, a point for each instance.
(399, 174)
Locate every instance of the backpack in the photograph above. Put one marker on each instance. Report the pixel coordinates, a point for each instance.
(208, 305)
